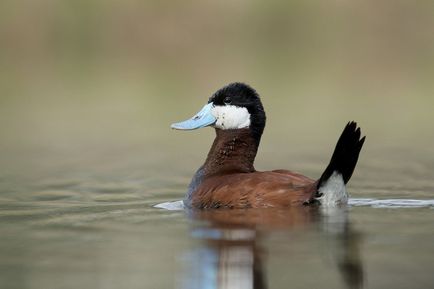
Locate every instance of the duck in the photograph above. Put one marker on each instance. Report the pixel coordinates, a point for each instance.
(228, 178)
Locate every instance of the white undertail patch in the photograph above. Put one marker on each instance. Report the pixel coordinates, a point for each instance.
(333, 191)
(231, 117)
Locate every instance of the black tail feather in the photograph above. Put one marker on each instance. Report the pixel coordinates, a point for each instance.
(346, 154)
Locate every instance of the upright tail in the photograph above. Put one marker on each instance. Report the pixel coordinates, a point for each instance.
(331, 185)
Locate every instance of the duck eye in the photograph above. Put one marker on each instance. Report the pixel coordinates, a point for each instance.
(227, 100)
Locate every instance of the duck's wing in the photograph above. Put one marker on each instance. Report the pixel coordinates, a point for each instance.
(254, 190)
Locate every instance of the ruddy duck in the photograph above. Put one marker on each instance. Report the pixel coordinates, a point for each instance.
(228, 178)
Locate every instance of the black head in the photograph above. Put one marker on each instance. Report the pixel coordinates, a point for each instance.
(242, 95)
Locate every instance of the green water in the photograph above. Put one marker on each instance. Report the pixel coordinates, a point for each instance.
(91, 224)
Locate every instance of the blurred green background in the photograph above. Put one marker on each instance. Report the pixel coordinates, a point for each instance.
(92, 81)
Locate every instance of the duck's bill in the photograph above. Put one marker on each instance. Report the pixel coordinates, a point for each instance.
(202, 119)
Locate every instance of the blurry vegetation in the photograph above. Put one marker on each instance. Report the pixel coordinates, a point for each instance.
(84, 74)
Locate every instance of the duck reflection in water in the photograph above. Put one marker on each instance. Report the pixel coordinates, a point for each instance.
(232, 251)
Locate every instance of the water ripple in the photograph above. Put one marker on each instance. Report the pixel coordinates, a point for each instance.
(356, 202)
(391, 203)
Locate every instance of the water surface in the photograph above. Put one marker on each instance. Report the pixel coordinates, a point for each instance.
(69, 225)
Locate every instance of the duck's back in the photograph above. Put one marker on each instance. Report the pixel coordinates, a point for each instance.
(280, 188)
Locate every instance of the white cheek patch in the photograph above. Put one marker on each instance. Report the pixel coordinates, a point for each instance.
(231, 117)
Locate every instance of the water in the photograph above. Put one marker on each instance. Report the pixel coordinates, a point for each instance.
(91, 223)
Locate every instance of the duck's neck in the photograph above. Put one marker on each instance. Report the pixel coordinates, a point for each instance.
(233, 151)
